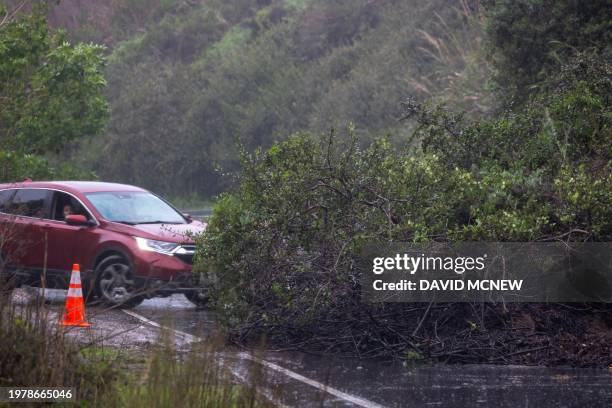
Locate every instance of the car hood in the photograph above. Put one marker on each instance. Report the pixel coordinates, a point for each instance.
(179, 233)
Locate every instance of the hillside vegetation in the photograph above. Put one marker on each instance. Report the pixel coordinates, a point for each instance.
(194, 78)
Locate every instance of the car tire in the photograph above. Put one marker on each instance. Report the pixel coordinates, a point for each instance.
(89, 293)
(114, 283)
(198, 298)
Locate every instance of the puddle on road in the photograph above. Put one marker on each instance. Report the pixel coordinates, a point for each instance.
(180, 314)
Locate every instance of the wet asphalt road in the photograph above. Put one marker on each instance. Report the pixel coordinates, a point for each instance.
(396, 385)
(382, 383)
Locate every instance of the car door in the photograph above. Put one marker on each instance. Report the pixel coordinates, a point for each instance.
(69, 244)
(27, 246)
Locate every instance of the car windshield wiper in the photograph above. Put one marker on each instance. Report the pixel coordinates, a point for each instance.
(125, 222)
(157, 222)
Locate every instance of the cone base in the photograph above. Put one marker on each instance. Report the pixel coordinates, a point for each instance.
(77, 324)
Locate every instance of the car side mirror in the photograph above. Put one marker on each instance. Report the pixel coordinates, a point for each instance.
(188, 217)
(76, 219)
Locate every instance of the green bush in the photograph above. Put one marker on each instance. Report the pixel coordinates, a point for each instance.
(51, 93)
(529, 40)
(279, 252)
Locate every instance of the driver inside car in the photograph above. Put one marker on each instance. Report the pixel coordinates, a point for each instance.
(67, 210)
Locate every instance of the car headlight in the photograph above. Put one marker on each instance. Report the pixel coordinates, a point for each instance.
(152, 245)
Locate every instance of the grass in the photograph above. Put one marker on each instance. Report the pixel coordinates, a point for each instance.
(187, 379)
(460, 69)
(296, 4)
(191, 202)
(233, 38)
(36, 353)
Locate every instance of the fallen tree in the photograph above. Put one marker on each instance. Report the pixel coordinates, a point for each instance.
(280, 251)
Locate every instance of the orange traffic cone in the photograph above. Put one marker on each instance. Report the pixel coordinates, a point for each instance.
(75, 306)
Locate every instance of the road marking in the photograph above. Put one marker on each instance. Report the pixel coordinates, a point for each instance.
(330, 390)
(186, 336)
(362, 402)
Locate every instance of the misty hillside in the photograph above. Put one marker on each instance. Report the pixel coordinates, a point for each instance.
(187, 79)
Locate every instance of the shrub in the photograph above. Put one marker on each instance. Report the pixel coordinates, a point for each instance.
(280, 250)
(529, 40)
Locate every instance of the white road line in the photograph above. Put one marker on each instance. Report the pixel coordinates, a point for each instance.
(362, 402)
(185, 336)
(330, 390)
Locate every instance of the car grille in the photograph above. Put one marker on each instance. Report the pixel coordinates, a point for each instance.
(185, 253)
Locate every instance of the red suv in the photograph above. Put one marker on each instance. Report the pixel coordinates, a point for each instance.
(130, 243)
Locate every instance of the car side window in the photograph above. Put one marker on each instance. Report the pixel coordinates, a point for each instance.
(5, 200)
(65, 204)
(31, 203)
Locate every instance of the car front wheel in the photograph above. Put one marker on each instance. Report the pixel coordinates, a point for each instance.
(115, 284)
(197, 297)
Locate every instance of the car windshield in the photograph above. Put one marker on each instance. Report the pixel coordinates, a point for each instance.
(134, 207)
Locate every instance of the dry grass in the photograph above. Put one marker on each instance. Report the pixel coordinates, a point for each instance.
(196, 378)
(461, 66)
(35, 354)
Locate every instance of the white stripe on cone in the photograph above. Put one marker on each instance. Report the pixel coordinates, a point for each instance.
(75, 292)
(75, 277)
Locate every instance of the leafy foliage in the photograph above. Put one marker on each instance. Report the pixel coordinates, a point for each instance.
(279, 252)
(51, 93)
(530, 39)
